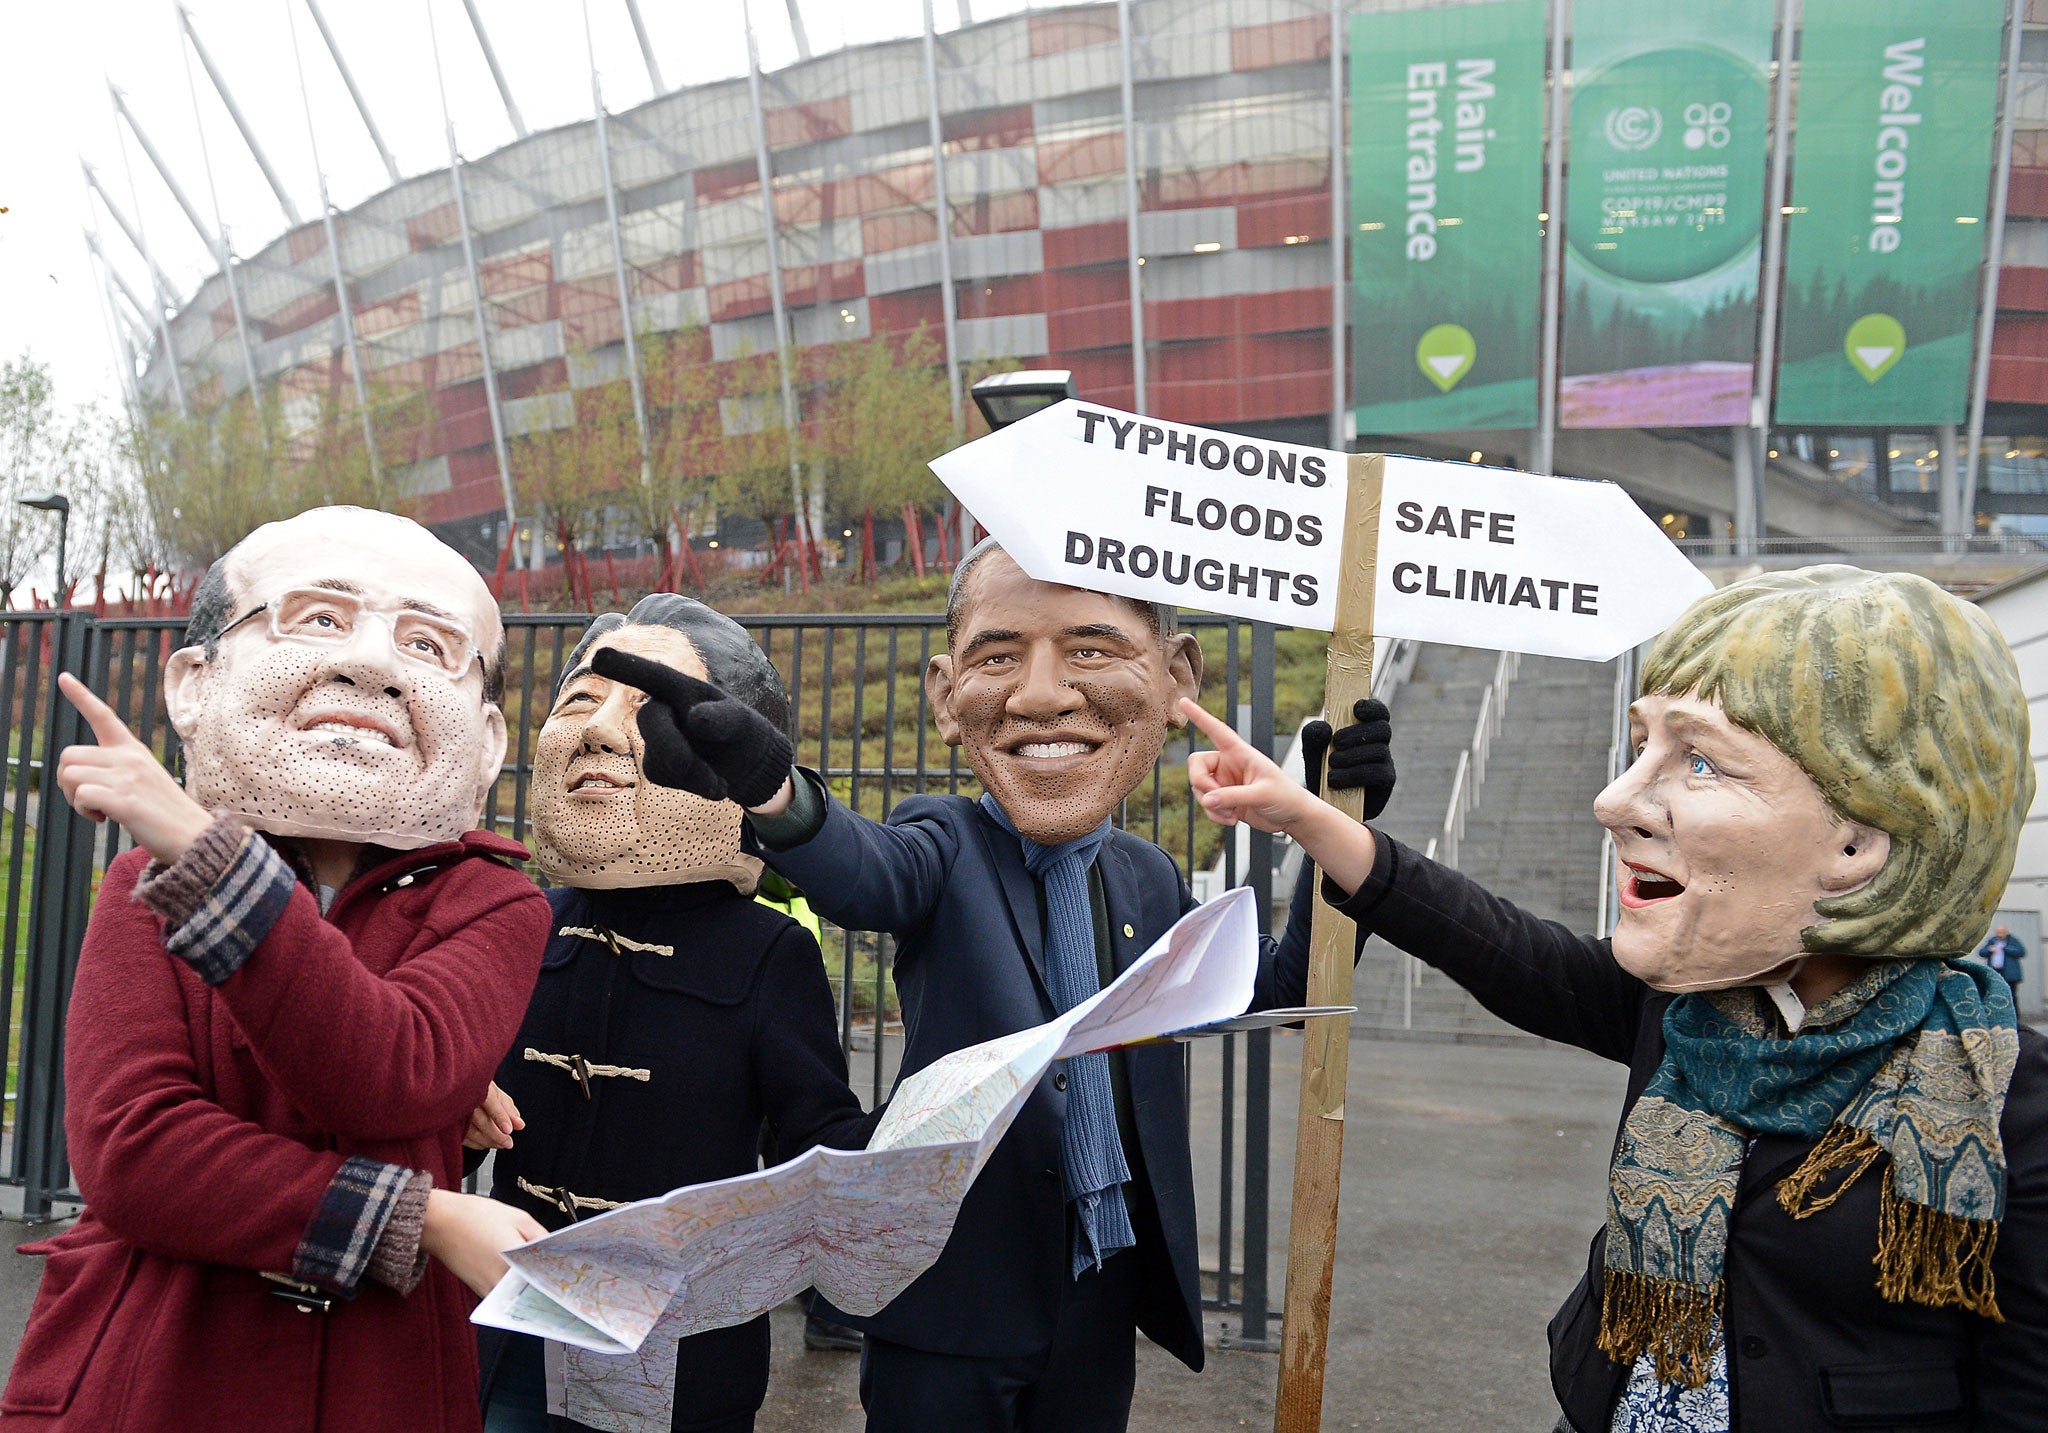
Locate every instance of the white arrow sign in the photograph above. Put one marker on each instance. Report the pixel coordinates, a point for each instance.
(1092, 497)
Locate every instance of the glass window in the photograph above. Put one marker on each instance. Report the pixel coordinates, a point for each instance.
(1913, 461)
(1681, 525)
(2018, 524)
(2015, 466)
(1851, 459)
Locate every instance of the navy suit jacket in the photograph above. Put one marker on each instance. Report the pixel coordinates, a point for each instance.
(949, 883)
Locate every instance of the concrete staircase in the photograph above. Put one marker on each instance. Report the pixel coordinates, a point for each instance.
(1531, 837)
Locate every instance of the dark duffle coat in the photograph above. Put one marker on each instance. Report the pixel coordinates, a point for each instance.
(205, 1124)
(736, 1027)
(1811, 1344)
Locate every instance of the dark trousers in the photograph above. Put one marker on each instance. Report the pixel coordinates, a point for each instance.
(1080, 1383)
(517, 1398)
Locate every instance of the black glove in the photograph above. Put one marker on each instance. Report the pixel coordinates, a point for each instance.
(696, 737)
(1360, 755)
(1315, 743)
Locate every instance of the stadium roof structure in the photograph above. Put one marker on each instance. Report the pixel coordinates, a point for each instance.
(1176, 148)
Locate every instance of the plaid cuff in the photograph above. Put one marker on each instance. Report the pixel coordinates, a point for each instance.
(177, 889)
(338, 1245)
(397, 1261)
(237, 911)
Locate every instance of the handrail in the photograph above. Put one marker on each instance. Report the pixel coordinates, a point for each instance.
(1453, 831)
(1393, 666)
(1465, 784)
(1471, 772)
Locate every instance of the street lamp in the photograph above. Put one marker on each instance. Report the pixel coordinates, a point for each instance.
(60, 505)
(1003, 398)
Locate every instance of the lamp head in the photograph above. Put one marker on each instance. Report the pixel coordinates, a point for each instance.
(1003, 398)
(49, 502)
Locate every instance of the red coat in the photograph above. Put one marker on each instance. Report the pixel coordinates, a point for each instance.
(206, 1122)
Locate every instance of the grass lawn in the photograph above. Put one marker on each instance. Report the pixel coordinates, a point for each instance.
(17, 917)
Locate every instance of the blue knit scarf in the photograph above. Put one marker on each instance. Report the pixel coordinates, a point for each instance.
(1091, 1152)
(1909, 1065)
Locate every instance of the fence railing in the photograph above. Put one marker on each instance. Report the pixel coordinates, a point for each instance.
(859, 715)
(1864, 544)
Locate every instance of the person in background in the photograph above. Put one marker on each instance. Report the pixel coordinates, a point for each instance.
(292, 992)
(2003, 953)
(1828, 1201)
(675, 1018)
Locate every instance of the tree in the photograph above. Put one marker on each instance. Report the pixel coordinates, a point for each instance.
(685, 434)
(45, 448)
(29, 436)
(329, 460)
(754, 475)
(90, 473)
(885, 414)
(207, 479)
(576, 467)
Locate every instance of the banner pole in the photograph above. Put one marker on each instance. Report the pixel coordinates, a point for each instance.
(1134, 251)
(1553, 252)
(1326, 1052)
(1774, 251)
(1987, 310)
(1340, 230)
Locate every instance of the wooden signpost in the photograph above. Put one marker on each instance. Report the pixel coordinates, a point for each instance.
(1326, 1058)
(1481, 557)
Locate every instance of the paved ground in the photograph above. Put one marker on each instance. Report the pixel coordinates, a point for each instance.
(1472, 1181)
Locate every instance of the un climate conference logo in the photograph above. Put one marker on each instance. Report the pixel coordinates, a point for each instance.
(1664, 200)
(1707, 125)
(1634, 126)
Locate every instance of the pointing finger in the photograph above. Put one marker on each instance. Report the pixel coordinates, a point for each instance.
(107, 728)
(663, 683)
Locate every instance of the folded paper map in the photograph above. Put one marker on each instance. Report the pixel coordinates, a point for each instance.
(616, 1291)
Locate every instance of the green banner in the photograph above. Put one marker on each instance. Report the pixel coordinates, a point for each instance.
(1663, 221)
(1897, 105)
(1446, 181)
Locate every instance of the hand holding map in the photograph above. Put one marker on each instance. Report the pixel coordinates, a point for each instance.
(859, 1225)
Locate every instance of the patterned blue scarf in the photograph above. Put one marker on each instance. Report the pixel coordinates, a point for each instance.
(1911, 1062)
(1091, 1151)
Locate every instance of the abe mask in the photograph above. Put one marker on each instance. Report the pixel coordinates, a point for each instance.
(598, 822)
(336, 682)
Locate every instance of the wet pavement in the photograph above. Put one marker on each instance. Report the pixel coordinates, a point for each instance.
(1473, 1178)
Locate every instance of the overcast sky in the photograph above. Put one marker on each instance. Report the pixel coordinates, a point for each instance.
(59, 54)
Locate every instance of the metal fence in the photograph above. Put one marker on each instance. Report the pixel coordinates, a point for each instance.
(859, 715)
(1878, 545)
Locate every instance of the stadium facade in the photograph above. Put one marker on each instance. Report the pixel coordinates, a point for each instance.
(1186, 154)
